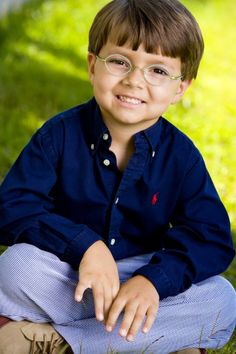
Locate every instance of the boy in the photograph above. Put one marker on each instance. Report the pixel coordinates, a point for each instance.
(112, 193)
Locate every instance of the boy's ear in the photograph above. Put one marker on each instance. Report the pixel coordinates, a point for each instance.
(183, 86)
(91, 63)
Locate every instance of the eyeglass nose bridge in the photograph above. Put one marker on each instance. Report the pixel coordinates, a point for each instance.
(133, 68)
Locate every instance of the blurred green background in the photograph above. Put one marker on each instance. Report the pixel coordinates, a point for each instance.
(43, 70)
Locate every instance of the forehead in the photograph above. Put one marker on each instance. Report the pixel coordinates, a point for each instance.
(140, 57)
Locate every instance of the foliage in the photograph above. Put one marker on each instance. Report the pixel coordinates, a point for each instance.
(43, 51)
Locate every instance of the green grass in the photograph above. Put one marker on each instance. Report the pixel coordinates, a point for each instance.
(43, 50)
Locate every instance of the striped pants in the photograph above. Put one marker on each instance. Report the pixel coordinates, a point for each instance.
(35, 285)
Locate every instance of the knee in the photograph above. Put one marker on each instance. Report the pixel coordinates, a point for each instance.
(226, 292)
(224, 301)
(16, 264)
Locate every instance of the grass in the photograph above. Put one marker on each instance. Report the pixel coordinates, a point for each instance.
(43, 51)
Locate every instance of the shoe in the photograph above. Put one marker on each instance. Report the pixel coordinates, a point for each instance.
(3, 321)
(25, 337)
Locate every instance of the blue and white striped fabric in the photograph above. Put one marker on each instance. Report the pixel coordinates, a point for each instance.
(35, 285)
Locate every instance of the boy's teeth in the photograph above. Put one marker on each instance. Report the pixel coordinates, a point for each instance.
(130, 100)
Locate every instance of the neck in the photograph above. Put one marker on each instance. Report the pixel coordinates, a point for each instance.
(122, 143)
(123, 133)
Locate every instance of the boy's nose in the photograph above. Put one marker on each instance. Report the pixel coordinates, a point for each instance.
(135, 77)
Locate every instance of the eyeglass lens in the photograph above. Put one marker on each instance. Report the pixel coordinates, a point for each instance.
(119, 66)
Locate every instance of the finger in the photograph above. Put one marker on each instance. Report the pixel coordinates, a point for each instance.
(129, 315)
(151, 316)
(80, 289)
(98, 295)
(113, 294)
(136, 323)
(108, 301)
(115, 290)
(114, 313)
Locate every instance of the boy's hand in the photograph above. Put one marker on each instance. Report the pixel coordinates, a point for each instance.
(98, 271)
(138, 298)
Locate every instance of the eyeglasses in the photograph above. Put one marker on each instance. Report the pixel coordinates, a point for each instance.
(155, 75)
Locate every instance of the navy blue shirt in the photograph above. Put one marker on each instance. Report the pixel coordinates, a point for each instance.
(65, 192)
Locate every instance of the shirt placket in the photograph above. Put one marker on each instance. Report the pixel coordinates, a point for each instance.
(132, 173)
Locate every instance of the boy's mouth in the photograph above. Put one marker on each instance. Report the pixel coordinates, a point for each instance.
(130, 100)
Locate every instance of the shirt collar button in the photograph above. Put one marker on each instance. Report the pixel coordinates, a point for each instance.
(105, 136)
(113, 241)
(106, 162)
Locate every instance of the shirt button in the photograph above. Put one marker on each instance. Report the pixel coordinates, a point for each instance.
(153, 153)
(92, 146)
(113, 241)
(106, 162)
(117, 200)
(105, 136)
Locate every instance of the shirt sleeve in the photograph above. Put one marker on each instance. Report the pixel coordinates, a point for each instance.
(198, 244)
(27, 206)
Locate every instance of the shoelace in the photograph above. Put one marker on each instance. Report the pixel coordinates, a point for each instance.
(46, 347)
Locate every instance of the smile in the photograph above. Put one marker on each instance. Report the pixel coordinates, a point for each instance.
(130, 100)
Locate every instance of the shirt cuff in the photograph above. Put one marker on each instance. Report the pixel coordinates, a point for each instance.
(158, 278)
(79, 245)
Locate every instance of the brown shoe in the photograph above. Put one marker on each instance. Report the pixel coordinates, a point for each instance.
(25, 337)
(4, 321)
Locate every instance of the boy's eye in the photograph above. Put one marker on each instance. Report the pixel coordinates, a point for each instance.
(156, 70)
(117, 65)
(118, 62)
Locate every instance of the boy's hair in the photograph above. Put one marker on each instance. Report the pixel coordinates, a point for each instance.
(162, 26)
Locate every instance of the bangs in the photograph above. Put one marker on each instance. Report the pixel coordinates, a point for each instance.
(134, 27)
(133, 35)
(137, 31)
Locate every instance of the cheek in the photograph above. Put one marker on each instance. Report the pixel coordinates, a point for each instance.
(104, 84)
(168, 95)
(101, 90)
(163, 97)
(98, 86)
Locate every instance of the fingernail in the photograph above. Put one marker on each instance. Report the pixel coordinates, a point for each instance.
(100, 317)
(78, 298)
(123, 332)
(130, 338)
(145, 330)
(109, 328)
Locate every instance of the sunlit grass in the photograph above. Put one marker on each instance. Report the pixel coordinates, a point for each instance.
(209, 116)
(43, 51)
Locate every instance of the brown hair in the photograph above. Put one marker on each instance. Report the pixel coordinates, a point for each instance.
(164, 26)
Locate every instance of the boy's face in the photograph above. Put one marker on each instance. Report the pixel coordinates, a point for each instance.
(130, 100)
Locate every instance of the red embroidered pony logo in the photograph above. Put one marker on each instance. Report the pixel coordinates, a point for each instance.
(155, 198)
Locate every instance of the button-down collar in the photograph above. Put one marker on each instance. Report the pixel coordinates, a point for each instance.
(95, 126)
(97, 130)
